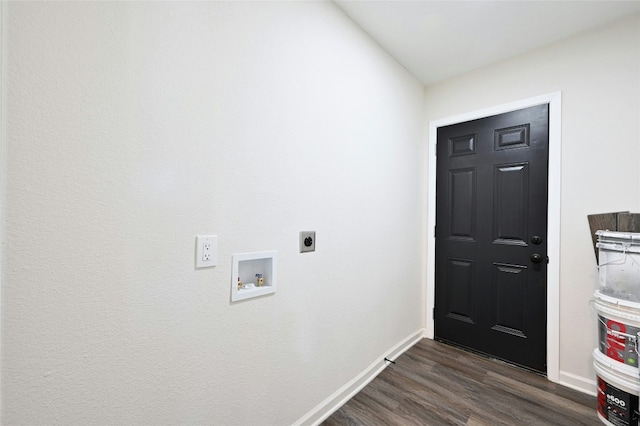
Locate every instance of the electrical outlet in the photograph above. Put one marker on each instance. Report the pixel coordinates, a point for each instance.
(206, 251)
(307, 241)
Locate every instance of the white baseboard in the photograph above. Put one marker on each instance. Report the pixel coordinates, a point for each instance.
(355, 385)
(578, 383)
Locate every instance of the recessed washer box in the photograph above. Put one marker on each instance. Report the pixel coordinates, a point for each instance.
(254, 274)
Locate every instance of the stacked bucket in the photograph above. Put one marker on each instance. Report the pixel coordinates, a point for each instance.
(617, 305)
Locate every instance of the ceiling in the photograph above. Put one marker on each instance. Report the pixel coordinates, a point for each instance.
(436, 40)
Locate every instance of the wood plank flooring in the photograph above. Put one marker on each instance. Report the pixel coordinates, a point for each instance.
(437, 384)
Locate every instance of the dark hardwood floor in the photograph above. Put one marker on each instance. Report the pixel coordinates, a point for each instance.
(437, 384)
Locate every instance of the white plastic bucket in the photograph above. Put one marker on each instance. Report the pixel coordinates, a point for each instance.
(618, 394)
(619, 264)
(618, 330)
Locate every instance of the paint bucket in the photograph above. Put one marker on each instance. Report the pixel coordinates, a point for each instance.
(619, 264)
(618, 393)
(618, 330)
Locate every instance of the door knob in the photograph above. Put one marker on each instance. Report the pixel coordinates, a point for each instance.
(536, 240)
(536, 258)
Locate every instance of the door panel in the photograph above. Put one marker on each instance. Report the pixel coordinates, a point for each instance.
(511, 199)
(491, 196)
(510, 282)
(459, 300)
(462, 190)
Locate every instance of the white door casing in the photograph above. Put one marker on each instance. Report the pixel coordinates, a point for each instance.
(553, 269)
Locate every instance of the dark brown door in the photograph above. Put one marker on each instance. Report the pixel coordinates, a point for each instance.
(491, 236)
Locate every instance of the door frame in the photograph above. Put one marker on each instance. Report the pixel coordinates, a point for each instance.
(553, 215)
(3, 154)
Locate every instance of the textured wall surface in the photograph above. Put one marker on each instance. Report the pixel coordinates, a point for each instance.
(598, 74)
(133, 127)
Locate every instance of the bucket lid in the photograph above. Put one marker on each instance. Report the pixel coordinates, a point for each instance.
(622, 305)
(623, 370)
(631, 237)
(616, 379)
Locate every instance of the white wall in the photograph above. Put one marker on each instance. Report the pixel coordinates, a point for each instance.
(133, 127)
(598, 74)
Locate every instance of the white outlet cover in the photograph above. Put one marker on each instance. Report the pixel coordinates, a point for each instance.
(206, 251)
